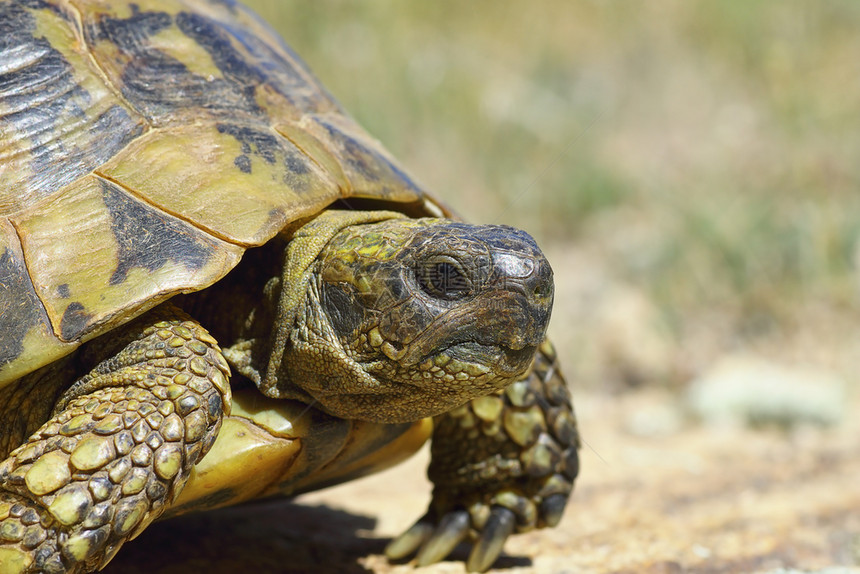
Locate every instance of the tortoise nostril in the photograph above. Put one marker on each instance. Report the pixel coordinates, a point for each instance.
(543, 287)
(540, 283)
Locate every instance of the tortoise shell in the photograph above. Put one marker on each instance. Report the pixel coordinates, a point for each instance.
(144, 146)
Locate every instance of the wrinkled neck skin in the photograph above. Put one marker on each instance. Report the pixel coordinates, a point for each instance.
(259, 349)
(389, 319)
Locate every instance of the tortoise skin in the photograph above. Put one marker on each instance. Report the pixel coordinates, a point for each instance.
(117, 116)
(145, 146)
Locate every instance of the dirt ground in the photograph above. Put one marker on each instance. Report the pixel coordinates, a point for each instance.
(695, 500)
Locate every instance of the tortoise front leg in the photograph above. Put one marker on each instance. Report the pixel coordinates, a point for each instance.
(500, 464)
(118, 447)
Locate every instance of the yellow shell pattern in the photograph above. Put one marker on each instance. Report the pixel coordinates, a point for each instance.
(144, 145)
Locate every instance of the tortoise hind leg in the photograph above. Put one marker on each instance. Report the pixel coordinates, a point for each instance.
(117, 449)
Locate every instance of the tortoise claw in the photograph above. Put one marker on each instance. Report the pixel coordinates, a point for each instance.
(409, 541)
(552, 508)
(500, 525)
(452, 529)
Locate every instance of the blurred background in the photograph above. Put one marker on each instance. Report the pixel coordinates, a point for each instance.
(691, 169)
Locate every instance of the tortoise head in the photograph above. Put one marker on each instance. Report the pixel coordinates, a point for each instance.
(407, 318)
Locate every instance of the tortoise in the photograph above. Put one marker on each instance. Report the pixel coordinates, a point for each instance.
(216, 287)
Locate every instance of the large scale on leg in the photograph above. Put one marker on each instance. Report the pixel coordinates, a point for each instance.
(178, 150)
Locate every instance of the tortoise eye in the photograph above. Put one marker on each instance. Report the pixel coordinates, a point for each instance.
(444, 279)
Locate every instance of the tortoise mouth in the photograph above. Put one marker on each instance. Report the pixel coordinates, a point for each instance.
(504, 341)
(501, 360)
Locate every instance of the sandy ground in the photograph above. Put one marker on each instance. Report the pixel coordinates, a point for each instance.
(693, 500)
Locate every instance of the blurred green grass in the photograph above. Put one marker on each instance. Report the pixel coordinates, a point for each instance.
(705, 154)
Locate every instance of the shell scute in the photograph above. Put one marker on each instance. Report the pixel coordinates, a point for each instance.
(57, 118)
(174, 64)
(27, 336)
(194, 171)
(115, 257)
(370, 171)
